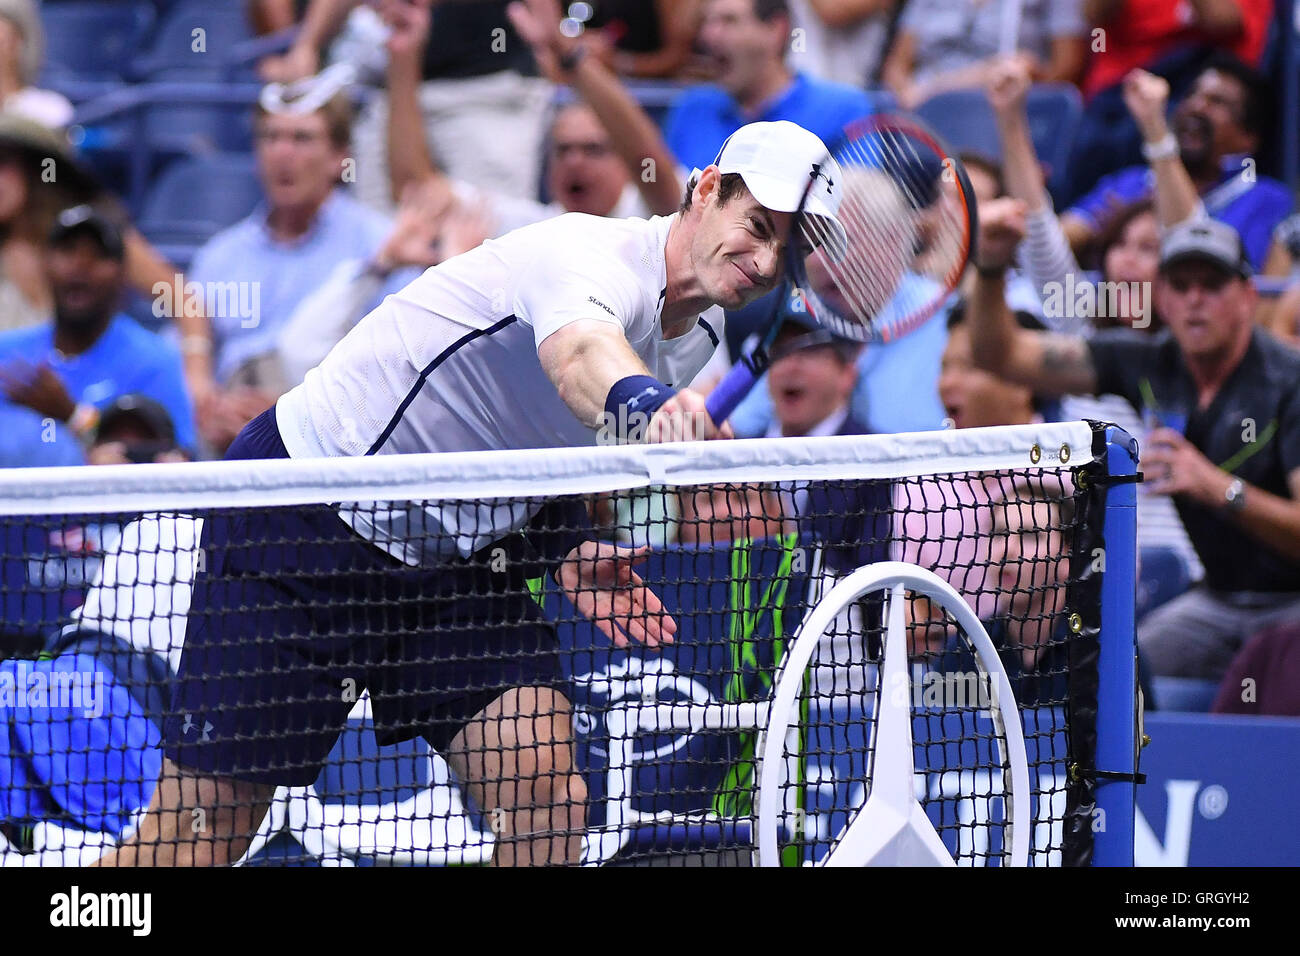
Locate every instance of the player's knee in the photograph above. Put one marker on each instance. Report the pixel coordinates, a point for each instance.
(571, 791)
(552, 786)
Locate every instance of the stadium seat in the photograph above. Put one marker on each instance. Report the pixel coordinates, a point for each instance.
(1054, 113)
(1184, 693)
(197, 128)
(1162, 576)
(179, 46)
(965, 119)
(92, 40)
(198, 196)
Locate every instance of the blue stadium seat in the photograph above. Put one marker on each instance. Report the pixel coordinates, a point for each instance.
(1162, 576)
(176, 128)
(198, 196)
(965, 119)
(198, 128)
(178, 46)
(93, 40)
(1184, 693)
(1054, 113)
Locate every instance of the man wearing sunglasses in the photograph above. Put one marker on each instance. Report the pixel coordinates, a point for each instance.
(1225, 397)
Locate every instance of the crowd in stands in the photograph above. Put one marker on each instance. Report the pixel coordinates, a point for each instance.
(388, 137)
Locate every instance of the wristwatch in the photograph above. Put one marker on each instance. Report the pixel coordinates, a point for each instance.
(1235, 496)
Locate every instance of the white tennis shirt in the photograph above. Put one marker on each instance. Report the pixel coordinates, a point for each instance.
(450, 363)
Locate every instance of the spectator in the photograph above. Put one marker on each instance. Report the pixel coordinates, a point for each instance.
(28, 204)
(1128, 252)
(282, 252)
(56, 379)
(135, 429)
(22, 53)
(1205, 166)
(841, 41)
(1029, 542)
(1228, 451)
(1170, 38)
(943, 45)
(905, 366)
(811, 382)
(89, 763)
(69, 370)
(45, 566)
(746, 41)
(1282, 315)
(1264, 677)
(644, 38)
(944, 525)
(1164, 36)
(484, 107)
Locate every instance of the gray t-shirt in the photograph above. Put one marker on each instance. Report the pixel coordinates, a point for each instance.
(951, 34)
(1251, 429)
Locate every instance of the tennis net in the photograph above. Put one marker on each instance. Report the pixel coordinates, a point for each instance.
(851, 650)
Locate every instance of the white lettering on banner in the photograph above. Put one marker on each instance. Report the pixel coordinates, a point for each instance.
(1147, 850)
(77, 909)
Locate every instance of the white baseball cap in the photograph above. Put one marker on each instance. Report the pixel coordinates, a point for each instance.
(777, 161)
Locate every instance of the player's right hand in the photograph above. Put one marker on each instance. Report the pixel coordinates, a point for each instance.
(684, 417)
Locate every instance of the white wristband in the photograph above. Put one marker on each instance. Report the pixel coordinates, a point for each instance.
(1165, 148)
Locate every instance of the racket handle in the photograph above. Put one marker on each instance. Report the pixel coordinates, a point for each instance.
(731, 391)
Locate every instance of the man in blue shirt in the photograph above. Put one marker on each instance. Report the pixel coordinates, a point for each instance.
(1215, 133)
(746, 41)
(67, 370)
(256, 272)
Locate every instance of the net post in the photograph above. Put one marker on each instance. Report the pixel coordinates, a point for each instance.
(1117, 712)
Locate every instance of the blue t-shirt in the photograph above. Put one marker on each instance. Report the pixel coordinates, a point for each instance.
(1253, 208)
(704, 116)
(126, 359)
(267, 277)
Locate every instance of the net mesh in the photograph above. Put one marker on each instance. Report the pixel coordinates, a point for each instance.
(581, 674)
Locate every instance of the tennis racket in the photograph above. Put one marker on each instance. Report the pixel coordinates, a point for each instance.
(902, 235)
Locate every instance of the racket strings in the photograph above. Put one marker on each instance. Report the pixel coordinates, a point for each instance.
(905, 218)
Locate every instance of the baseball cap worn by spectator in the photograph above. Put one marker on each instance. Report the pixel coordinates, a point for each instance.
(22, 135)
(779, 162)
(133, 409)
(84, 219)
(141, 424)
(796, 335)
(1205, 241)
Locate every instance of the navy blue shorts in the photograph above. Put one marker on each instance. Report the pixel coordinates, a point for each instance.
(293, 615)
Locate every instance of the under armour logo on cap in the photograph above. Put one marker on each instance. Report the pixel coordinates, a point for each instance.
(817, 172)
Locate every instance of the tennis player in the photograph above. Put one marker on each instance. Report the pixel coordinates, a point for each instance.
(568, 332)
